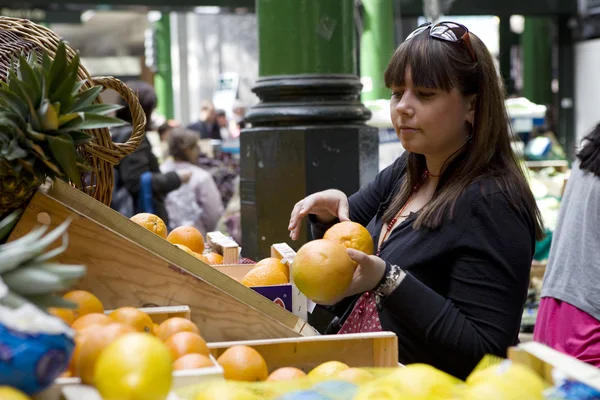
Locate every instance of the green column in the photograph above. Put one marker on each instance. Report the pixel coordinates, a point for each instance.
(377, 45)
(536, 44)
(507, 40)
(163, 82)
(306, 36)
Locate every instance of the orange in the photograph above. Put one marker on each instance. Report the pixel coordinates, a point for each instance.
(214, 258)
(67, 315)
(275, 263)
(138, 320)
(174, 325)
(328, 369)
(264, 276)
(192, 361)
(155, 328)
(322, 270)
(183, 343)
(352, 236)
(243, 363)
(90, 320)
(89, 345)
(86, 302)
(187, 249)
(189, 237)
(286, 374)
(151, 222)
(202, 257)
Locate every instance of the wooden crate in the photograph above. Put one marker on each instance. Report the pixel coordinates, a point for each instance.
(543, 360)
(379, 349)
(131, 266)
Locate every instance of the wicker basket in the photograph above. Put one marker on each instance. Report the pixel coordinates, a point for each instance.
(20, 35)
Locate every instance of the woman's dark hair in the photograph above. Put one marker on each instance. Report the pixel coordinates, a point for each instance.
(147, 98)
(180, 140)
(589, 155)
(487, 153)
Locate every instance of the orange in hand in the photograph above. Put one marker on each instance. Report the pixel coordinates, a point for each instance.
(352, 236)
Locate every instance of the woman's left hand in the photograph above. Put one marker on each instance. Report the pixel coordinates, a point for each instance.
(367, 275)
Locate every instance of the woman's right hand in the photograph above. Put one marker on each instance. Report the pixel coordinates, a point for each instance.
(326, 206)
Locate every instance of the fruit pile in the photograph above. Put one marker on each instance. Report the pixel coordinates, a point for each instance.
(125, 346)
(337, 381)
(187, 238)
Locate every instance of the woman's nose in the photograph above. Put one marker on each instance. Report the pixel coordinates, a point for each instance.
(404, 106)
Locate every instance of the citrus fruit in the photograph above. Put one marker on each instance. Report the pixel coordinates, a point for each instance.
(189, 237)
(423, 380)
(515, 374)
(182, 343)
(136, 366)
(10, 393)
(202, 257)
(264, 276)
(351, 235)
(355, 375)
(67, 315)
(90, 320)
(328, 369)
(192, 361)
(90, 343)
(138, 320)
(223, 391)
(86, 302)
(151, 222)
(276, 264)
(187, 249)
(322, 270)
(155, 328)
(214, 258)
(174, 325)
(286, 374)
(243, 363)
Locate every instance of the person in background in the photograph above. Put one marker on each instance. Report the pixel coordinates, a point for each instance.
(569, 313)
(198, 202)
(223, 124)
(164, 131)
(207, 126)
(139, 172)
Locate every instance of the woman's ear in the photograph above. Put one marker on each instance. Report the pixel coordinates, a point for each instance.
(471, 107)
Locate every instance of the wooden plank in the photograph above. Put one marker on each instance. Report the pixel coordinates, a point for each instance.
(560, 165)
(378, 349)
(130, 266)
(160, 314)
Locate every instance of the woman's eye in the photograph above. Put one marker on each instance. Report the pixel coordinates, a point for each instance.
(397, 95)
(426, 95)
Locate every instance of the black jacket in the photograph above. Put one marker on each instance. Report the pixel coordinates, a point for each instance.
(466, 282)
(131, 168)
(206, 130)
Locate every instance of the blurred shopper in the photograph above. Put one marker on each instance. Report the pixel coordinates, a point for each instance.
(207, 126)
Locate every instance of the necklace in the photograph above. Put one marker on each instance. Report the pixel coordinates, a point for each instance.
(390, 225)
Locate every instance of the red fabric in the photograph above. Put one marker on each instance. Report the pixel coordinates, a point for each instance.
(364, 317)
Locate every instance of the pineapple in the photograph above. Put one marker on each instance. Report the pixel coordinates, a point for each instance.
(26, 267)
(43, 118)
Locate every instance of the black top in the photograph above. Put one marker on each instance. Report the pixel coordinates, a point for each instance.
(206, 130)
(466, 281)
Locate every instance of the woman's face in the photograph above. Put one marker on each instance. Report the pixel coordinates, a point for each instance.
(192, 153)
(431, 122)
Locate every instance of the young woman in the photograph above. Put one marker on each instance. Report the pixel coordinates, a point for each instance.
(569, 314)
(198, 202)
(453, 220)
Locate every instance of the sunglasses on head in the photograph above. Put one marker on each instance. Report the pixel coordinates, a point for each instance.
(448, 32)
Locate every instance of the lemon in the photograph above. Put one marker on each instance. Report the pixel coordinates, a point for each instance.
(328, 369)
(355, 375)
(497, 389)
(517, 375)
(136, 366)
(226, 392)
(423, 380)
(10, 393)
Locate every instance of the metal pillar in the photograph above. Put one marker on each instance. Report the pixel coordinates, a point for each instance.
(536, 42)
(163, 82)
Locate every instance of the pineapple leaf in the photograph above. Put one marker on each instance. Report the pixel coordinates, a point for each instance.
(63, 150)
(27, 165)
(46, 63)
(58, 67)
(78, 87)
(63, 92)
(82, 164)
(8, 223)
(11, 101)
(27, 74)
(13, 300)
(101, 109)
(63, 119)
(34, 134)
(48, 115)
(53, 167)
(14, 151)
(49, 300)
(86, 98)
(80, 137)
(94, 121)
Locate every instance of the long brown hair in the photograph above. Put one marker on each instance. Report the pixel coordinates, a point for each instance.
(486, 153)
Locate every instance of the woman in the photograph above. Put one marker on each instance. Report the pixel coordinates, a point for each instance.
(198, 202)
(569, 313)
(139, 173)
(453, 218)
